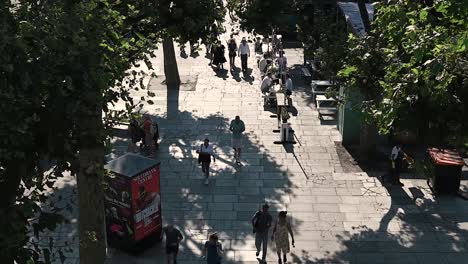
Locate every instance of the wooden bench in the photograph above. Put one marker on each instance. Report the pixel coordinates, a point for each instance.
(326, 106)
(319, 87)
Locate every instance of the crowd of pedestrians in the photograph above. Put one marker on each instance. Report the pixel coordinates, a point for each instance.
(147, 132)
(262, 222)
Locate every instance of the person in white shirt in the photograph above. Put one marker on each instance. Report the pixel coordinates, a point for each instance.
(282, 65)
(267, 82)
(205, 152)
(397, 161)
(244, 53)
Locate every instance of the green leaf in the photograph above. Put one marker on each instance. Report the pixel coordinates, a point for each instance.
(346, 72)
(423, 15)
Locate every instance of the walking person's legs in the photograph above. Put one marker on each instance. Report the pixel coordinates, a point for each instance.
(258, 242)
(398, 166)
(265, 245)
(244, 62)
(278, 252)
(206, 170)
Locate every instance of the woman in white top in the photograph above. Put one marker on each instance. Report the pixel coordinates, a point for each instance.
(205, 152)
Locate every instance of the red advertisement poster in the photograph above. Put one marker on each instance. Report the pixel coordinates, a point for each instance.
(119, 222)
(146, 203)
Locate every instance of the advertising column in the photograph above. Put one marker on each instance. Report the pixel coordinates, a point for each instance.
(146, 203)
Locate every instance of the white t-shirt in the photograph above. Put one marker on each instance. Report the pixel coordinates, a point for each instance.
(205, 149)
(244, 49)
(395, 152)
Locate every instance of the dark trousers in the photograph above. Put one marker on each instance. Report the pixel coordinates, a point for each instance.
(244, 62)
(261, 242)
(232, 60)
(395, 172)
(206, 168)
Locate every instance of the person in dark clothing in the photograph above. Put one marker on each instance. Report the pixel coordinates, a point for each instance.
(232, 49)
(173, 238)
(396, 158)
(218, 55)
(156, 134)
(261, 222)
(136, 135)
(213, 250)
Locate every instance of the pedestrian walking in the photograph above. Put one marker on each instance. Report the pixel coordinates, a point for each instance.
(282, 62)
(148, 129)
(232, 49)
(258, 46)
(173, 238)
(218, 55)
(237, 127)
(244, 53)
(397, 163)
(205, 152)
(261, 222)
(213, 250)
(280, 236)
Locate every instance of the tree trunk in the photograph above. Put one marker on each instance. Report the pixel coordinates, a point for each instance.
(170, 63)
(91, 199)
(364, 15)
(14, 172)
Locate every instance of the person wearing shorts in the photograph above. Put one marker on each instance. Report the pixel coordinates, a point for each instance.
(173, 238)
(237, 127)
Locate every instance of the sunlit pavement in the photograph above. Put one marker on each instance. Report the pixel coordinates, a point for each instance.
(338, 215)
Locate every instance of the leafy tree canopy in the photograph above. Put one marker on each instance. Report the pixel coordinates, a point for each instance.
(412, 69)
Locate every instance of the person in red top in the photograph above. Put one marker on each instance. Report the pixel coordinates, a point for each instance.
(147, 127)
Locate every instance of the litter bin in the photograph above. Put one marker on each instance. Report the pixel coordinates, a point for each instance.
(133, 202)
(446, 175)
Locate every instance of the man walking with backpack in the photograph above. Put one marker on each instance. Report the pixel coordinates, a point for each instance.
(261, 222)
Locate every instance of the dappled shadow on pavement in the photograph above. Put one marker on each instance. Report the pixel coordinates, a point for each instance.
(234, 193)
(414, 227)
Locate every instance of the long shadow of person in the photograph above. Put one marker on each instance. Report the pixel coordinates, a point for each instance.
(235, 74)
(183, 54)
(221, 73)
(247, 76)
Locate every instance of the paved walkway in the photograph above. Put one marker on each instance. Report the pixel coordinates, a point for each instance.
(339, 215)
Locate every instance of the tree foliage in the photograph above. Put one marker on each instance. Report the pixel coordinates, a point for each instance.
(412, 69)
(62, 65)
(261, 16)
(323, 35)
(58, 62)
